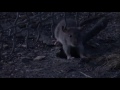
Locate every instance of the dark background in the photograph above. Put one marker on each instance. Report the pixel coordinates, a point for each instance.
(20, 46)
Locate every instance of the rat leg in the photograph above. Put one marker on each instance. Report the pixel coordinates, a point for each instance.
(81, 51)
(67, 51)
(55, 42)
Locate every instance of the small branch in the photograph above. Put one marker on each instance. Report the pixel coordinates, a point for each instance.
(14, 31)
(28, 27)
(1, 41)
(27, 35)
(65, 16)
(38, 29)
(25, 21)
(34, 70)
(76, 18)
(38, 36)
(52, 31)
(85, 75)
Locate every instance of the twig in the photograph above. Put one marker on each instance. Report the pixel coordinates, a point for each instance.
(65, 16)
(25, 21)
(85, 75)
(34, 70)
(38, 36)
(1, 40)
(27, 35)
(76, 18)
(1, 36)
(52, 31)
(13, 47)
(38, 29)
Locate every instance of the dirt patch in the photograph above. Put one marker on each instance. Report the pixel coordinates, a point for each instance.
(42, 59)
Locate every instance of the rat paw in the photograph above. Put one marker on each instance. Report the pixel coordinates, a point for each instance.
(70, 58)
(83, 57)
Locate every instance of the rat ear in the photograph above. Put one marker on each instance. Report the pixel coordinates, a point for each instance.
(64, 29)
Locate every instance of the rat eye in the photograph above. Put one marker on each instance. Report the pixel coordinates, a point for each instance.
(70, 35)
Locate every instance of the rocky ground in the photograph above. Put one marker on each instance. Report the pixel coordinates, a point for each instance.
(43, 60)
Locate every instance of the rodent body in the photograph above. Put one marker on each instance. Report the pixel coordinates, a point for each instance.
(72, 36)
(69, 36)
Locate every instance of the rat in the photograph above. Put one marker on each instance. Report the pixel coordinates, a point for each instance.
(69, 36)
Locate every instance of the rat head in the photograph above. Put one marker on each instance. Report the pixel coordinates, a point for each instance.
(72, 35)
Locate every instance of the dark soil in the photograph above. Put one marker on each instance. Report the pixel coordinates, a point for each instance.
(103, 50)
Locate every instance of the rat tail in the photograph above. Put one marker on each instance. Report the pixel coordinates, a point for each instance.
(100, 25)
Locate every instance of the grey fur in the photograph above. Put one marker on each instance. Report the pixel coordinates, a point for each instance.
(69, 36)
